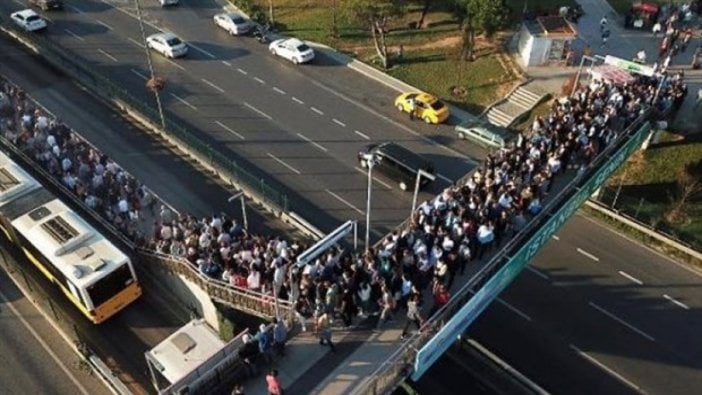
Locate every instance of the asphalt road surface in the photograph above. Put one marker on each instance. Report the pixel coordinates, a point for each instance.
(597, 313)
(33, 361)
(299, 127)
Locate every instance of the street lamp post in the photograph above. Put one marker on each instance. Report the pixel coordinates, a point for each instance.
(152, 76)
(421, 173)
(370, 160)
(240, 195)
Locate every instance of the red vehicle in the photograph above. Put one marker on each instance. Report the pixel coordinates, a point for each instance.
(641, 15)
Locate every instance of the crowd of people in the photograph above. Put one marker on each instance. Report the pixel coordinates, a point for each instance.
(99, 182)
(462, 224)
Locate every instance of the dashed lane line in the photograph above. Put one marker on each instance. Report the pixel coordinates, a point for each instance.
(213, 85)
(108, 55)
(554, 237)
(104, 24)
(261, 113)
(363, 135)
(514, 309)
(309, 140)
(342, 200)
(296, 100)
(242, 71)
(275, 158)
(318, 111)
(230, 130)
(676, 302)
(175, 64)
(379, 181)
(587, 254)
(537, 272)
(630, 277)
(77, 37)
(142, 76)
(260, 81)
(275, 88)
(336, 121)
(621, 321)
(606, 368)
(135, 42)
(76, 9)
(226, 63)
(180, 99)
(202, 51)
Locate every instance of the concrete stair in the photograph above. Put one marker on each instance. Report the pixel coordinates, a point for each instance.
(514, 106)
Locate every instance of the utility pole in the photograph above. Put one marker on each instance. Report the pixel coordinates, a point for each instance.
(155, 84)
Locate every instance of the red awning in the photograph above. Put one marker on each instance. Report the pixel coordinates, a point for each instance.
(648, 8)
(613, 74)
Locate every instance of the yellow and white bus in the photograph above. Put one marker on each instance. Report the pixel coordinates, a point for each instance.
(93, 273)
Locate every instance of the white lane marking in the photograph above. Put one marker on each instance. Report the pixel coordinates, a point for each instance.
(587, 254)
(309, 140)
(43, 344)
(630, 277)
(260, 81)
(450, 181)
(139, 74)
(318, 111)
(74, 35)
(336, 121)
(298, 101)
(275, 88)
(230, 130)
(202, 51)
(108, 55)
(621, 321)
(294, 170)
(379, 181)
(180, 99)
(514, 309)
(76, 9)
(242, 71)
(363, 135)
(226, 63)
(537, 272)
(676, 302)
(104, 24)
(605, 368)
(261, 113)
(212, 85)
(554, 237)
(135, 42)
(175, 64)
(392, 121)
(342, 200)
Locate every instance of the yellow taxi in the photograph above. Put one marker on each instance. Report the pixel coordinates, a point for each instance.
(427, 107)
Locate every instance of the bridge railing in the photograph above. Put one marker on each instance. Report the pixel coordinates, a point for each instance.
(399, 365)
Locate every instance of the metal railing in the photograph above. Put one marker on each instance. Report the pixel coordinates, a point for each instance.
(399, 365)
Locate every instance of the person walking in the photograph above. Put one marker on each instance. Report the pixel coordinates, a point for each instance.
(603, 23)
(605, 37)
(413, 315)
(657, 28)
(412, 104)
(325, 333)
(387, 301)
(441, 297)
(280, 336)
(273, 383)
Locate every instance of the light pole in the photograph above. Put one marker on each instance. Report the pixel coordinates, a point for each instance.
(158, 85)
(240, 195)
(371, 160)
(421, 173)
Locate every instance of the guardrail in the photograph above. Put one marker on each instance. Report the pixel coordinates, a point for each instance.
(250, 301)
(399, 365)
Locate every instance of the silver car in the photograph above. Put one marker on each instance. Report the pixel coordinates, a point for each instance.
(167, 44)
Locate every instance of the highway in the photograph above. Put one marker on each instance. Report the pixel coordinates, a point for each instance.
(32, 362)
(298, 127)
(599, 314)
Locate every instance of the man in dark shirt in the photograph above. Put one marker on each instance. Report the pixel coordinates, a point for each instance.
(248, 353)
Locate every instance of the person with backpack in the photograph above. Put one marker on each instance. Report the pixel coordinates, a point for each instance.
(413, 315)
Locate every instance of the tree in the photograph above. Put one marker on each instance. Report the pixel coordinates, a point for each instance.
(480, 16)
(689, 188)
(375, 15)
(425, 10)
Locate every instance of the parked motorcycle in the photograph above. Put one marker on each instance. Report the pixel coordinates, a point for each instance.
(262, 33)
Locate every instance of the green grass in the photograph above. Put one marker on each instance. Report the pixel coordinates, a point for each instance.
(649, 186)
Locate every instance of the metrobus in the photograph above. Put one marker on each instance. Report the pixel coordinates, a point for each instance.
(92, 272)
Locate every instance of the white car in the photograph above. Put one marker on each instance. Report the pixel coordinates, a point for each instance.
(292, 49)
(167, 44)
(28, 20)
(233, 23)
(168, 2)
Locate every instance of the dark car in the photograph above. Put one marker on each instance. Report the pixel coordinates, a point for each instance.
(47, 4)
(397, 163)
